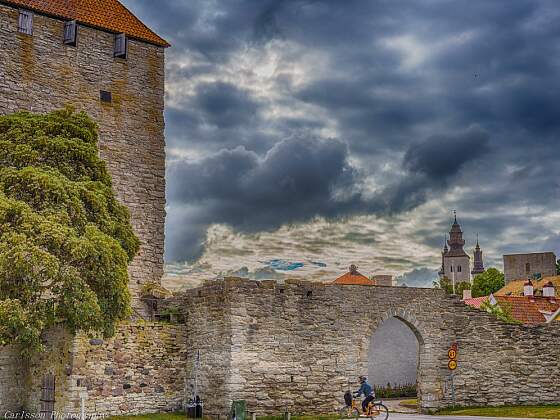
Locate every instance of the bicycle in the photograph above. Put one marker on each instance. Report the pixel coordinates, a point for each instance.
(375, 410)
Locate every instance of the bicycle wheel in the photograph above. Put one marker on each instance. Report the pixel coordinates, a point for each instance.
(379, 412)
(348, 413)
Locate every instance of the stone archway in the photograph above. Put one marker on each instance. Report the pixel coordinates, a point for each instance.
(407, 319)
(393, 355)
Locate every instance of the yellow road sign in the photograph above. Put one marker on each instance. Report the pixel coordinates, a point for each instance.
(452, 354)
(452, 365)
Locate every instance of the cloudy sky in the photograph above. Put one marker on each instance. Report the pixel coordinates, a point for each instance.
(324, 133)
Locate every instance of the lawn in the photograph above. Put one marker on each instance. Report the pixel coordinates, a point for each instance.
(319, 417)
(522, 412)
(177, 416)
(160, 416)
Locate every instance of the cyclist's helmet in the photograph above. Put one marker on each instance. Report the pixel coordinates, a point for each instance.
(362, 378)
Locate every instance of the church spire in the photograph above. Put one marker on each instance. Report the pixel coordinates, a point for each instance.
(456, 241)
(478, 265)
(443, 253)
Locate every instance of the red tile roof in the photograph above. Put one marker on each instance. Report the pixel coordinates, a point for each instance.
(109, 15)
(356, 278)
(476, 302)
(524, 309)
(528, 309)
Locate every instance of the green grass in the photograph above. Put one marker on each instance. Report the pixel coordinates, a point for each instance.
(522, 412)
(319, 417)
(409, 402)
(158, 416)
(177, 416)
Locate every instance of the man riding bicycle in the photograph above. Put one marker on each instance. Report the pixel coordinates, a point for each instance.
(367, 391)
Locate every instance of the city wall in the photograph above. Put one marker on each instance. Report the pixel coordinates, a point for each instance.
(301, 345)
(139, 370)
(12, 382)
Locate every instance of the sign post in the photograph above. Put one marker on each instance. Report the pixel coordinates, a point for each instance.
(452, 365)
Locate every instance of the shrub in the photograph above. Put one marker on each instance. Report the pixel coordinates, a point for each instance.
(396, 391)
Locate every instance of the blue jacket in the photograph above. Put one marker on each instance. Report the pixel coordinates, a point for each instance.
(365, 389)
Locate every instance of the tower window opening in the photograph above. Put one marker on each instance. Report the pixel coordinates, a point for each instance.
(528, 268)
(25, 22)
(459, 269)
(70, 32)
(121, 44)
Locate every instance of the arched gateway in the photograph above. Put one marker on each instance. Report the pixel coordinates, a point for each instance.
(301, 345)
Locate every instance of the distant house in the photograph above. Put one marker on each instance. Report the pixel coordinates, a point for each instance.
(515, 287)
(527, 308)
(534, 265)
(383, 280)
(353, 277)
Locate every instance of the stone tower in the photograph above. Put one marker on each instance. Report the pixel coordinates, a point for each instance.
(456, 262)
(98, 57)
(478, 264)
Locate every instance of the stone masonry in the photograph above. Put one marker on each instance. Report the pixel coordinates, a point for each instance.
(11, 379)
(521, 266)
(301, 345)
(39, 73)
(139, 370)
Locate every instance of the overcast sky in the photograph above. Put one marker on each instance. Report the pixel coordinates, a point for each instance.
(338, 132)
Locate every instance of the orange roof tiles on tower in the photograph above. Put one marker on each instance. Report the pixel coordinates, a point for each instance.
(109, 15)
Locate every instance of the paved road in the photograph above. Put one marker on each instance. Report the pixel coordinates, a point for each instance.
(396, 416)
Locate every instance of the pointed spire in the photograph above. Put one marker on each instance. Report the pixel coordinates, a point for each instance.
(445, 249)
(455, 216)
(478, 266)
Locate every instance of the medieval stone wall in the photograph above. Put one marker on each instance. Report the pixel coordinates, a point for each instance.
(11, 380)
(516, 265)
(140, 370)
(301, 345)
(39, 74)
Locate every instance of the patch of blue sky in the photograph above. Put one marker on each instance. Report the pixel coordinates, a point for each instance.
(283, 265)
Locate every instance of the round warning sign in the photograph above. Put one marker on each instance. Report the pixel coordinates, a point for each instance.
(452, 354)
(452, 365)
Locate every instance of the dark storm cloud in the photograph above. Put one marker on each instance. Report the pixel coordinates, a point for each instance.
(295, 179)
(224, 105)
(442, 156)
(449, 94)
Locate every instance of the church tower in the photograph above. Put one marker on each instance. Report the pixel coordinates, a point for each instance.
(478, 264)
(441, 272)
(456, 262)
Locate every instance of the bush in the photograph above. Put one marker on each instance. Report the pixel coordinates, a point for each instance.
(396, 391)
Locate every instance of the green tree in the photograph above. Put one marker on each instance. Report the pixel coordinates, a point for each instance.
(558, 267)
(488, 282)
(447, 285)
(65, 241)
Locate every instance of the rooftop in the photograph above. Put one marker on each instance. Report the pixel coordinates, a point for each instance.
(109, 15)
(476, 302)
(527, 310)
(515, 287)
(353, 277)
